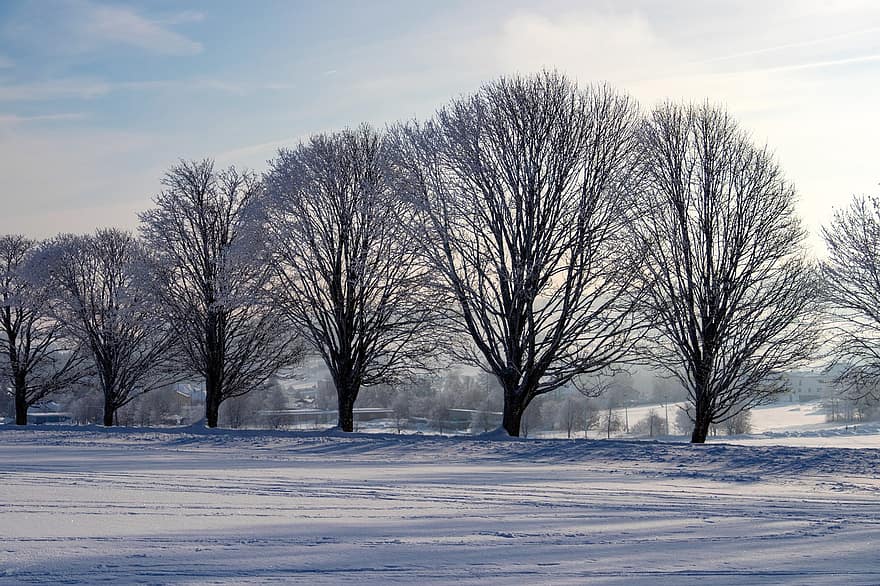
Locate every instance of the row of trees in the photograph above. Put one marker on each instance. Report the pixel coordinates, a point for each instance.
(102, 308)
(543, 232)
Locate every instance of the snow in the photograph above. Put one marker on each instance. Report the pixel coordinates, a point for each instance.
(788, 416)
(784, 423)
(804, 424)
(192, 506)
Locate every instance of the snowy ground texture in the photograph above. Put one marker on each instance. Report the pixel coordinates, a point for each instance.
(88, 505)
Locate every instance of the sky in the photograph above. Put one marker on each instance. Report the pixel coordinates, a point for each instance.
(98, 99)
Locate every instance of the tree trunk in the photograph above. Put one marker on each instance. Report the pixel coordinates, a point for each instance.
(345, 405)
(701, 430)
(212, 402)
(702, 421)
(21, 402)
(109, 412)
(514, 407)
(21, 409)
(214, 365)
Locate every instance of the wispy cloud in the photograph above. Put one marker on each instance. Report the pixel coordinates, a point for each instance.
(821, 64)
(794, 45)
(184, 17)
(77, 27)
(54, 90)
(87, 88)
(9, 119)
(123, 25)
(255, 155)
(6, 62)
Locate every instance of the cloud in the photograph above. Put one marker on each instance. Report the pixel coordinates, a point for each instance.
(600, 43)
(256, 155)
(6, 62)
(822, 64)
(122, 25)
(77, 27)
(87, 88)
(808, 93)
(800, 76)
(184, 17)
(54, 90)
(10, 119)
(812, 42)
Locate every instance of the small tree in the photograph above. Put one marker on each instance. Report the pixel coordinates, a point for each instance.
(482, 419)
(212, 278)
(97, 285)
(665, 391)
(40, 360)
(730, 293)
(84, 404)
(349, 278)
(684, 421)
(237, 411)
(402, 408)
(610, 421)
(274, 403)
(739, 424)
(533, 418)
(592, 417)
(852, 296)
(651, 425)
(438, 410)
(572, 414)
(154, 408)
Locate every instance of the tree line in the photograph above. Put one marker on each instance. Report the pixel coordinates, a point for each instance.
(544, 232)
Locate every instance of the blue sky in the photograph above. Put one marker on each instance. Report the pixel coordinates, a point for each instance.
(98, 98)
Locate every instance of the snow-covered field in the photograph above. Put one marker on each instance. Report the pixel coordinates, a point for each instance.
(804, 424)
(88, 505)
(784, 423)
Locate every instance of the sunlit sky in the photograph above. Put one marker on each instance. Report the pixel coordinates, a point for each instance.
(97, 99)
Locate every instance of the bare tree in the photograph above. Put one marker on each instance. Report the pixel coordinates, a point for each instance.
(98, 294)
(349, 277)
(611, 420)
(739, 424)
(40, 360)
(852, 295)
(402, 408)
(572, 412)
(522, 189)
(212, 279)
(730, 293)
(650, 426)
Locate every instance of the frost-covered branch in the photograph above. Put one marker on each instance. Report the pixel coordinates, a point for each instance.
(348, 275)
(211, 280)
(522, 190)
(731, 296)
(98, 294)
